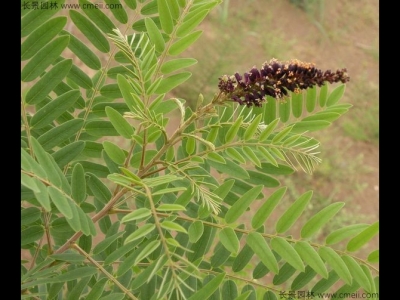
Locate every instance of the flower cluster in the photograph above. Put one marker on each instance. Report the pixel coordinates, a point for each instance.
(275, 79)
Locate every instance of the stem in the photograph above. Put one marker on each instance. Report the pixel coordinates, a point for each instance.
(95, 218)
(104, 271)
(46, 218)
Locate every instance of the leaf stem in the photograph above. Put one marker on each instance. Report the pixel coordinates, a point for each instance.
(104, 271)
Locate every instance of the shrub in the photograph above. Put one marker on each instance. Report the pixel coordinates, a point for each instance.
(116, 206)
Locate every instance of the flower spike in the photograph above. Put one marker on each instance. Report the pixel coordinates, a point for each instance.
(275, 79)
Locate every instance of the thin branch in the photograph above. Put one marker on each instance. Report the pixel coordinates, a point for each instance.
(104, 271)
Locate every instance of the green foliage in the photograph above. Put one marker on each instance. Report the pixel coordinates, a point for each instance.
(115, 205)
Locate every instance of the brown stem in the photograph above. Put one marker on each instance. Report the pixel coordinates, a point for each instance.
(95, 218)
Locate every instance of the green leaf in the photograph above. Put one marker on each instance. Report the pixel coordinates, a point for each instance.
(44, 58)
(114, 152)
(324, 116)
(260, 247)
(229, 240)
(77, 290)
(46, 161)
(240, 206)
(170, 207)
(311, 257)
(191, 146)
(177, 64)
(149, 249)
(31, 234)
(195, 231)
(118, 10)
(36, 17)
(363, 237)
(357, 272)
(191, 23)
(235, 155)
(98, 188)
(97, 169)
(169, 190)
(155, 35)
(303, 278)
(373, 257)
(182, 44)
(229, 290)
(297, 104)
(242, 259)
(110, 91)
(100, 128)
(140, 213)
(48, 82)
(315, 125)
(324, 284)
(216, 157)
(233, 130)
(201, 246)
(29, 215)
(208, 289)
(251, 156)
(43, 196)
(131, 99)
(267, 155)
(80, 78)
(60, 134)
(229, 168)
(171, 226)
(285, 272)
(281, 135)
(323, 95)
(277, 153)
(90, 31)
(275, 170)
(336, 262)
(269, 110)
(287, 252)
(140, 232)
(290, 216)
(54, 109)
(316, 222)
(97, 16)
(261, 178)
(335, 95)
(29, 182)
(41, 36)
(66, 154)
(284, 111)
(97, 289)
(269, 296)
(268, 130)
(171, 82)
(166, 21)
(344, 232)
(104, 244)
(83, 52)
(143, 277)
(252, 128)
(374, 283)
(267, 208)
(77, 273)
(311, 99)
(78, 184)
(60, 201)
(149, 8)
